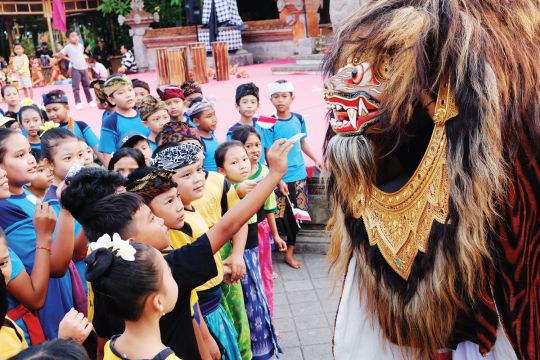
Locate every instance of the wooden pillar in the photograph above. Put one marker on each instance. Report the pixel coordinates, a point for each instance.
(220, 50)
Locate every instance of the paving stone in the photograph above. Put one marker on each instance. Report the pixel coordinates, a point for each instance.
(311, 322)
(282, 311)
(318, 352)
(295, 274)
(280, 298)
(284, 324)
(295, 297)
(315, 336)
(322, 283)
(306, 309)
(296, 285)
(331, 317)
(278, 286)
(294, 353)
(288, 339)
(318, 272)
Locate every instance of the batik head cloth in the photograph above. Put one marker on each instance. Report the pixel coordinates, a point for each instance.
(176, 157)
(55, 97)
(149, 105)
(170, 92)
(115, 82)
(178, 131)
(198, 105)
(97, 85)
(154, 183)
(191, 87)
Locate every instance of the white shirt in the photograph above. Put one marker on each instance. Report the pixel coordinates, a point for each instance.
(76, 55)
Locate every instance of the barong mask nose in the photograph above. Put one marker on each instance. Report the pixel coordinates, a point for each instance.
(353, 96)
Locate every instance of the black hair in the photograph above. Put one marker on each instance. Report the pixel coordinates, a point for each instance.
(29, 107)
(5, 133)
(3, 91)
(86, 187)
(140, 84)
(57, 93)
(124, 285)
(222, 150)
(112, 214)
(242, 132)
(52, 138)
(17, 44)
(37, 154)
(10, 123)
(57, 349)
(135, 154)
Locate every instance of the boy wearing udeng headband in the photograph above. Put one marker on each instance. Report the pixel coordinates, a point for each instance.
(154, 116)
(120, 93)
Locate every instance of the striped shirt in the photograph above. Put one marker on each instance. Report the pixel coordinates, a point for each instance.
(128, 62)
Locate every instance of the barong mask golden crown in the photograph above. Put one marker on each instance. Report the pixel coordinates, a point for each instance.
(353, 96)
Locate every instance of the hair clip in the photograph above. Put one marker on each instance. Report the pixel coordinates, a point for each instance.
(121, 248)
(48, 126)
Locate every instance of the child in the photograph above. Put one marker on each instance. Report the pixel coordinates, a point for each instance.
(21, 65)
(233, 162)
(31, 120)
(19, 209)
(288, 125)
(251, 140)
(119, 91)
(141, 89)
(247, 104)
(193, 264)
(160, 193)
(57, 108)
(27, 292)
(173, 97)
(154, 116)
(202, 112)
(138, 141)
(74, 53)
(190, 179)
(125, 160)
(99, 71)
(44, 177)
(191, 90)
(10, 94)
(102, 101)
(61, 152)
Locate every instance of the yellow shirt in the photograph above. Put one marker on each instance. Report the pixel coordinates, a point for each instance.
(219, 196)
(12, 339)
(198, 227)
(21, 65)
(110, 353)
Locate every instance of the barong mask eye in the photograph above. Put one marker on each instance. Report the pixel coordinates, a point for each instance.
(353, 96)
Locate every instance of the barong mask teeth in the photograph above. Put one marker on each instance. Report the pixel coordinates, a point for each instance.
(177, 157)
(353, 97)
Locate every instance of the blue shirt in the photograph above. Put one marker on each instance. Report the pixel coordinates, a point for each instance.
(210, 145)
(17, 268)
(260, 130)
(82, 130)
(52, 200)
(115, 127)
(16, 220)
(285, 129)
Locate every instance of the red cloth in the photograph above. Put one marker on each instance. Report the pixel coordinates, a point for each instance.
(59, 15)
(170, 93)
(31, 320)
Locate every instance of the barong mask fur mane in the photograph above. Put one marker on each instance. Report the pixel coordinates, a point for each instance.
(388, 64)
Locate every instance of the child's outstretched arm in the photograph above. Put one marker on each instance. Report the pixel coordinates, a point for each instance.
(309, 152)
(31, 290)
(236, 217)
(62, 246)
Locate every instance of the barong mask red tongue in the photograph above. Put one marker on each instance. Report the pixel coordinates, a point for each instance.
(352, 96)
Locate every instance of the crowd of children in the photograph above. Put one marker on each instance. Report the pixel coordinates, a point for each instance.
(154, 240)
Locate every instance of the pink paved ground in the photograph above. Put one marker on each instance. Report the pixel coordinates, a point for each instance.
(308, 100)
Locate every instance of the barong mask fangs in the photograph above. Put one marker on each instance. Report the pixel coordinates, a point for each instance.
(353, 97)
